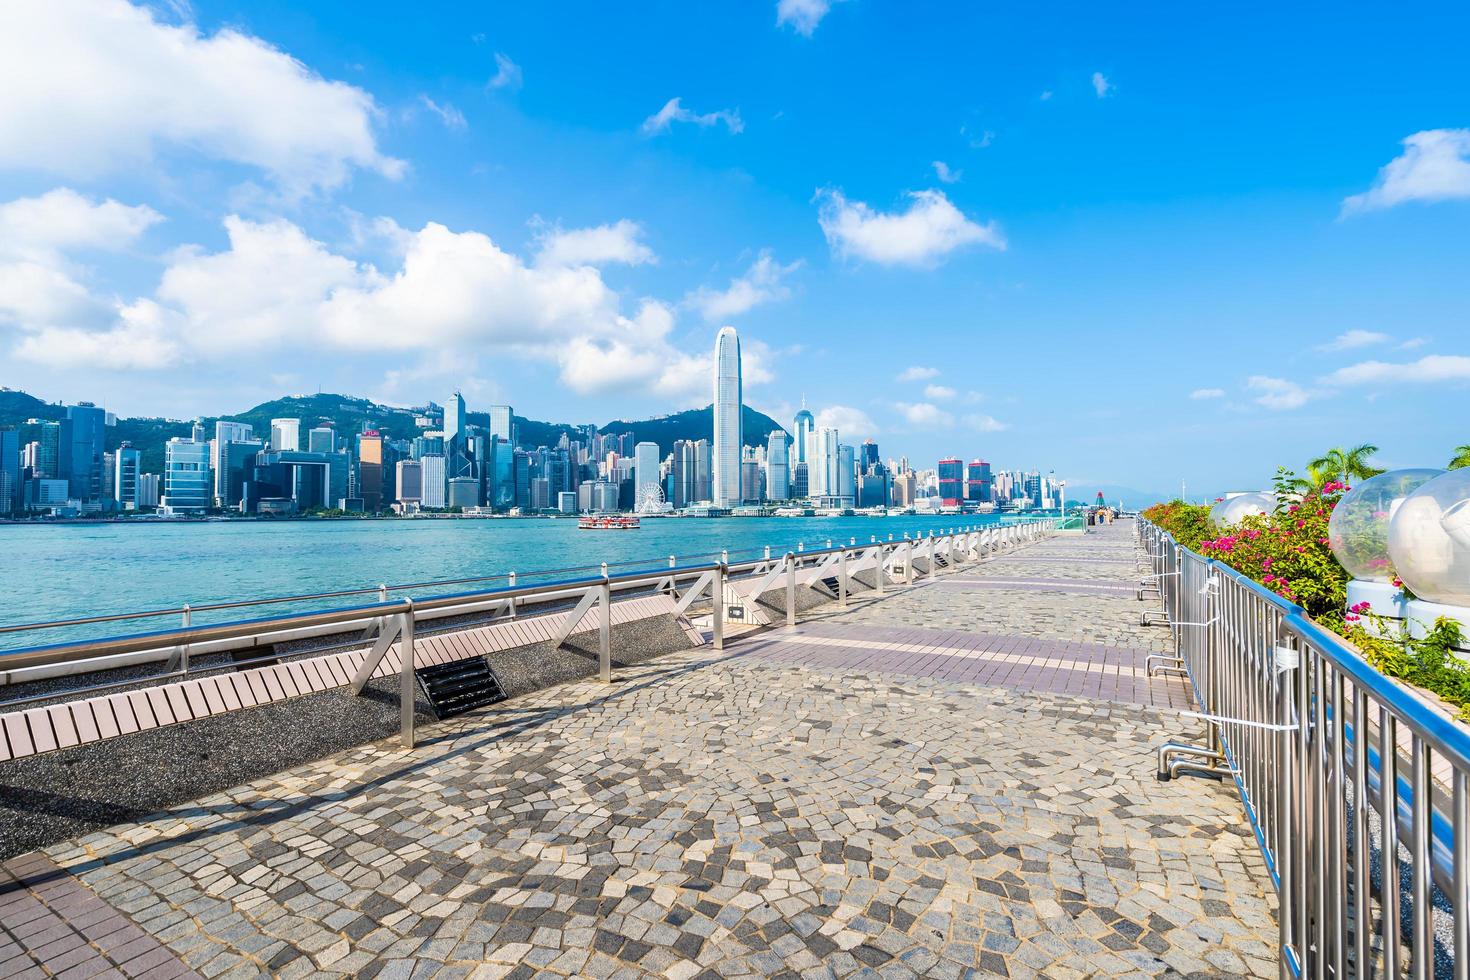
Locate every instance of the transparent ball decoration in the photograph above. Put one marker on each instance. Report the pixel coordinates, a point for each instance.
(1429, 539)
(1358, 530)
(1244, 505)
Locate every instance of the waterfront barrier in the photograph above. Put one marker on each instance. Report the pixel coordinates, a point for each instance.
(1355, 787)
(389, 637)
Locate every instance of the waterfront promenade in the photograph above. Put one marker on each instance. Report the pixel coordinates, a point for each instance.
(955, 778)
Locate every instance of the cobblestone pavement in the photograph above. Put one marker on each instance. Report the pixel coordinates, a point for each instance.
(716, 815)
(1040, 597)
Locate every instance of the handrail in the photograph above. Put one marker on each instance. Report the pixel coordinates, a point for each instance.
(194, 609)
(77, 651)
(1314, 738)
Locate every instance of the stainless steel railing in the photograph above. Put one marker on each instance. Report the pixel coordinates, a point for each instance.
(391, 619)
(1355, 787)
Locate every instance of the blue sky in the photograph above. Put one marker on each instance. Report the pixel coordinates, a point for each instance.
(1136, 244)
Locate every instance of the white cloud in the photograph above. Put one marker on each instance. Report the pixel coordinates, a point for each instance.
(673, 112)
(946, 175)
(1101, 85)
(1429, 369)
(931, 228)
(802, 15)
(507, 74)
(850, 423)
(1046, 96)
(451, 117)
(939, 392)
(1201, 394)
(918, 373)
(763, 282)
(1435, 166)
(1413, 342)
(94, 86)
(1277, 393)
(41, 287)
(1355, 338)
(985, 423)
(925, 415)
(617, 242)
(275, 289)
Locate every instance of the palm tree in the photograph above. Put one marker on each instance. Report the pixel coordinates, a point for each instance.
(1461, 457)
(1344, 464)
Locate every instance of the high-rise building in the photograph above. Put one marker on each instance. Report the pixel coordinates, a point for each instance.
(868, 455)
(9, 471)
(285, 435)
(149, 490)
(502, 423)
(951, 482)
(127, 463)
(977, 482)
(410, 481)
(88, 442)
(220, 457)
(321, 440)
(370, 459)
(646, 479)
(846, 476)
(778, 467)
(454, 418)
(802, 426)
(823, 464)
(433, 482)
(188, 487)
(728, 407)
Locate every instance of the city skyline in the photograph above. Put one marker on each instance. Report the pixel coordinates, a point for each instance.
(1010, 248)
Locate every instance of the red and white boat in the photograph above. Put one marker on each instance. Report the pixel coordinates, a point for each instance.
(608, 522)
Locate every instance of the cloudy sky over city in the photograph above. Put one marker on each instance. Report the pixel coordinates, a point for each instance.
(1136, 243)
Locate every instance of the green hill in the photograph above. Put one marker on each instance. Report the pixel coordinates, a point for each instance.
(348, 415)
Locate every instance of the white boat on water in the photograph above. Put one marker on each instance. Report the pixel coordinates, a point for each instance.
(794, 512)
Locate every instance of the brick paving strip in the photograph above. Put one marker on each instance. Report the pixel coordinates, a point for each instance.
(1088, 670)
(1103, 586)
(53, 925)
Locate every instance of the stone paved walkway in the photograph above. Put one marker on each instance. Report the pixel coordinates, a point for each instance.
(723, 815)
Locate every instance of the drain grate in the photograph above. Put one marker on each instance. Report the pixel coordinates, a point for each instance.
(461, 686)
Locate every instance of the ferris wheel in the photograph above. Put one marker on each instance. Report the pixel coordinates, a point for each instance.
(650, 499)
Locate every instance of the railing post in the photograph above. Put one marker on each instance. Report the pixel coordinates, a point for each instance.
(908, 560)
(790, 590)
(717, 604)
(511, 581)
(183, 651)
(878, 570)
(842, 579)
(604, 631)
(932, 567)
(407, 682)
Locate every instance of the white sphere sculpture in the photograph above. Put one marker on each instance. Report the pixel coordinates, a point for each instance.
(1358, 530)
(1429, 539)
(1231, 511)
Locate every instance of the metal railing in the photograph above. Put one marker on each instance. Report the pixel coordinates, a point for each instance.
(1356, 788)
(390, 620)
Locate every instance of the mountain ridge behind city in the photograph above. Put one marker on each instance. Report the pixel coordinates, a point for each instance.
(347, 413)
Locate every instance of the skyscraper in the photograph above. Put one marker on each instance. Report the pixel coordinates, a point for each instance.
(285, 435)
(846, 476)
(951, 482)
(778, 467)
(9, 470)
(646, 480)
(502, 425)
(803, 426)
(88, 442)
(729, 404)
(226, 433)
(188, 487)
(823, 467)
(128, 462)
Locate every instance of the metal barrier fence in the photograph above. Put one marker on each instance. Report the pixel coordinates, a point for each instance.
(1356, 788)
(391, 621)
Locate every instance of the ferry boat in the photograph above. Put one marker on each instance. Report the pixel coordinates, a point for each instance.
(607, 522)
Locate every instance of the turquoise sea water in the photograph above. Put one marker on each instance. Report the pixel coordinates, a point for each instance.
(66, 571)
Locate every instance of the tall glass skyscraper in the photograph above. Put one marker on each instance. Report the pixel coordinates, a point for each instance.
(778, 472)
(728, 407)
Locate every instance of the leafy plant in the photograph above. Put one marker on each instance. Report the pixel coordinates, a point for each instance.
(1429, 662)
(1189, 524)
(1460, 459)
(1345, 464)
